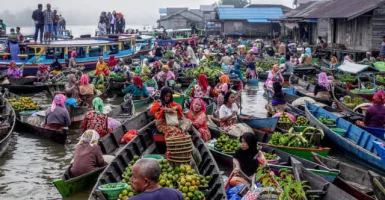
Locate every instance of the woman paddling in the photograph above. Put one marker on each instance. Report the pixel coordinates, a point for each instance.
(221, 89)
(375, 115)
(88, 155)
(136, 90)
(197, 115)
(278, 103)
(322, 88)
(96, 119)
(14, 71)
(42, 73)
(57, 116)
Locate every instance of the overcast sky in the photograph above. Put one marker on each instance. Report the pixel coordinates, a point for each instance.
(135, 11)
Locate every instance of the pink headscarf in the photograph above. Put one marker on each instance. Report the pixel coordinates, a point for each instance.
(59, 100)
(42, 68)
(84, 80)
(203, 106)
(324, 81)
(74, 54)
(347, 58)
(11, 64)
(379, 98)
(255, 48)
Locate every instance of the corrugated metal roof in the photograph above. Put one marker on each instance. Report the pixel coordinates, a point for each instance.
(249, 13)
(257, 20)
(207, 8)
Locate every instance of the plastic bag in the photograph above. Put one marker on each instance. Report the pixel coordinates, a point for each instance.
(232, 192)
(127, 137)
(185, 125)
(172, 119)
(113, 123)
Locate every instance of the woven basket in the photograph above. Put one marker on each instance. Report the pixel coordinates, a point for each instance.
(179, 150)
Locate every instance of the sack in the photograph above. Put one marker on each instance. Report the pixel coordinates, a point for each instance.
(185, 124)
(239, 129)
(301, 101)
(172, 119)
(127, 137)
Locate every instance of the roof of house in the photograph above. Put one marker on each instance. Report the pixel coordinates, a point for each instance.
(191, 16)
(333, 9)
(285, 9)
(207, 8)
(171, 11)
(249, 13)
(197, 12)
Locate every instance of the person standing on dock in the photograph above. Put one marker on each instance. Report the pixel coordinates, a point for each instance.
(48, 23)
(38, 18)
(113, 22)
(55, 24)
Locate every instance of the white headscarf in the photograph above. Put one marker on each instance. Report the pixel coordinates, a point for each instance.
(89, 136)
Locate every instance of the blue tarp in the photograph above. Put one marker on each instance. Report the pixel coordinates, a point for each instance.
(250, 13)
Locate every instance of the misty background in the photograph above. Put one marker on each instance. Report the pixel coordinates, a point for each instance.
(87, 12)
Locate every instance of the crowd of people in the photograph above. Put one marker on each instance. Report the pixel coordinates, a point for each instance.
(111, 23)
(47, 22)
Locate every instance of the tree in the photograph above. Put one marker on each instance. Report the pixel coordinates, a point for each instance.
(236, 3)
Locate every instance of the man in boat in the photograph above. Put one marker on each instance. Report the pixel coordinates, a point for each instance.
(38, 18)
(368, 59)
(19, 34)
(145, 180)
(48, 22)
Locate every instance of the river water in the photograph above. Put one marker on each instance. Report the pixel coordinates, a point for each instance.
(30, 164)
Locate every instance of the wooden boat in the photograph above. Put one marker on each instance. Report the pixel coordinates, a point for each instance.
(285, 90)
(253, 82)
(88, 51)
(339, 93)
(320, 187)
(144, 143)
(78, 113)
(266, 125)
(380, 149)
(303, 88)
(8, 121)
(352, 180)
(264, 75)
(355, 142)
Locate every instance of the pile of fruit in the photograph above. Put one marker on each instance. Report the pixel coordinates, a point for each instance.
(112, 185)
(362, 91)
(269, 156)
(117, 75)
(226, 144)
(284, 119)
(264, 66)
(23, 103)
(91, 73)
(301, 121)
(210, 72)
(168, 54)
(380, 78)
(351, 103)
(182, 178)
(327, 121)
(346, 78)
(381, 87)
(305, 139)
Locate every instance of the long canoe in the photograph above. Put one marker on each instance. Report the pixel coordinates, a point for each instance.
(8, 121)
(78, 113)
(339, 93)
(351, 179)
(143, 144)
(319, 186)
(356, 142)
(303, 88)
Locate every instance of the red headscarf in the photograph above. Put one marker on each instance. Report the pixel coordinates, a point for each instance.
(156, 64)
(379, 98)
(11, 64)
(43, 68)
(203, 82)
(112, 62)
(203, 106)
(138, 82)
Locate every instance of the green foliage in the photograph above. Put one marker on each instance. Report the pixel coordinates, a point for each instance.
(236, 3)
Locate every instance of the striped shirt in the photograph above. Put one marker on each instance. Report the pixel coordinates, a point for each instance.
(48, 17)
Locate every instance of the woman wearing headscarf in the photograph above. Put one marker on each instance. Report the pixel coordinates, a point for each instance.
(164, 76)
(55, 67)
(88, 155)
(221, 89)
(322, 88)
(13, 44)
(251, 72)
(157, 67)
(72, 86)
(101, 68)
(161, 108)
(87, 91)
(197, 115)
(146, 72)
(72, 62)
(57, 116)
(14, 71)
(137, 90)
(307, 58)
(243, 159)
(242, 52)
(348, 59)
(202, 89)
(278, 103)
(273, 76)
(42, 73)
(96, 119)
(255, 49)
(375, 115)
(112, 62)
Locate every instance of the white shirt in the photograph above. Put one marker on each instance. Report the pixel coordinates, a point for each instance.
(224, 111)
(191, 54)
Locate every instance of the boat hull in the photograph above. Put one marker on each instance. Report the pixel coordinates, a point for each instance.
(7, 110)
(304, 153)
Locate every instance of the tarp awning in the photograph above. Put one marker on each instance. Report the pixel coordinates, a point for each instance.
(354, 68)
(257, 20)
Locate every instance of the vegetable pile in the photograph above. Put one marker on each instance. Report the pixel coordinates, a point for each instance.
(23, 103)
(327, 121)
(168, 54)
(301, 121)
(362, 91)
(226, 144)
(380, 78)
(284, 119)
(346, 78)
(305, 139)
(264, 66)
(351, 103)
(212, 72)
(117, 75)
(269, 156)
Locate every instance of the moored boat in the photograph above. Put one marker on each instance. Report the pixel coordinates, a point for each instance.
(304, 89)
(353, 140)
(143, 144)
(339, 93)
(8, 121)
(351, 179)
(78, 113)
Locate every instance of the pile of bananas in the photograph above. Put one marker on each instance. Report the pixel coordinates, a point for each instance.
(23, 103)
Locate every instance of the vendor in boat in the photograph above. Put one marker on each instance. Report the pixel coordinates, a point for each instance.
(251, 72)
(237, 66)
(173, 66)
(221, 89)
(243, 159)
(226, 62)
(86, 90)
(137, 90)
(146, 72)
(333, 63)
(375, 115)
(72, 62)
(96, 119)
(322, 88)
(368, 59)
(307, 58)
(119, 67)
(70, 101)
(228, 112)
(164, 76)
(202, 90)
(348, 59)
(145, 181)
(55, 67)
(289, 67)
(112, 62)
(101, 68)
(72, 86)
(278, 103)
(42, 73)
(273, 76)
(88, 155)
(157, 67)
(57, 116)
(14, 71)
(197, 115)
(166, 105)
